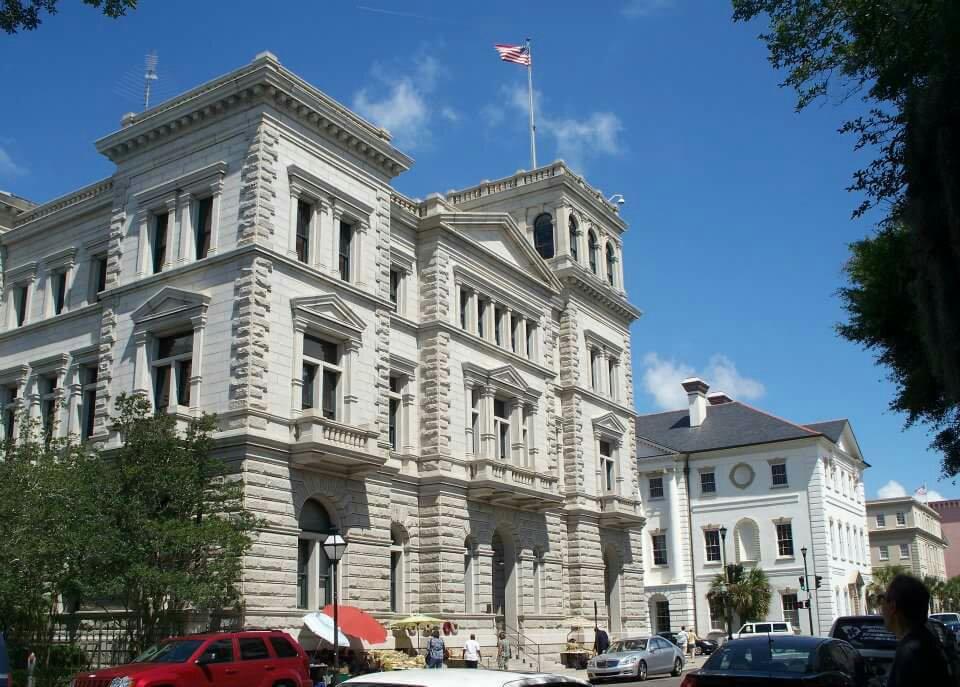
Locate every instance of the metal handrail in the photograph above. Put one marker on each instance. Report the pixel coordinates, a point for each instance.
(520, 639)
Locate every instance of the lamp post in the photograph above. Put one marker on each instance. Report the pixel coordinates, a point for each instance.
(334, 547)
(806, 581)
(726, 579)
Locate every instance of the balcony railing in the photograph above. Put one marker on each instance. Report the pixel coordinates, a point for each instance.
(503, 483)
(347, 449)
(615, 509)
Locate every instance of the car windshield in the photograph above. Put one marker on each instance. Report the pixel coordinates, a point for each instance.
(748, 657)
(945, 617)
(174, 651)
(628, 645)
(865, 633)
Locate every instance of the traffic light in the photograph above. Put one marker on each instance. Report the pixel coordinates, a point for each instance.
(819, 581)
(801, 583)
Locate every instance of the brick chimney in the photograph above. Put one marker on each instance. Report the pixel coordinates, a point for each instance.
(696, 390)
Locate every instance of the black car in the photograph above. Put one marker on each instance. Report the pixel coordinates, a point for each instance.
(705, 647)
(780, 660)
(669, 636)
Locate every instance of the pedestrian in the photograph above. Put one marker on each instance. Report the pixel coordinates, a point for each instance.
(504, 651)
(920, 660)
(436, 651)
(682, 639)
(692, 640)
(471, 652)
(601, 640)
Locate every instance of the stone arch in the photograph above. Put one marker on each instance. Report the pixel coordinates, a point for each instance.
(612, 582)
(314, 583)
(659, 613)
(505, 578)
(746, 541)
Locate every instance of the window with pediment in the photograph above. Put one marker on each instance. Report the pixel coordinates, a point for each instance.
(501, 417)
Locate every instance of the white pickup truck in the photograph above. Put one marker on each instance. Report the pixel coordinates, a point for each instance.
(773, 628)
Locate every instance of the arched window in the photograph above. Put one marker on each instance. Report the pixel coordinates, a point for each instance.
(397, 568)
(592, 249)
(314, 590)
(543, 235)
(574, 250)
(611, 264)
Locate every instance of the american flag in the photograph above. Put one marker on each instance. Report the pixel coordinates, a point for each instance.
(518, 54)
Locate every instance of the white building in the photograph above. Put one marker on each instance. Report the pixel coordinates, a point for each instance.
(776, 487)
(446, 381)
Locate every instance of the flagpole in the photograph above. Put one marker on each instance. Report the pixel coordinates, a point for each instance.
(533, 127)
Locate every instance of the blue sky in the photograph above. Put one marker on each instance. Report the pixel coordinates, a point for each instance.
(738, 214)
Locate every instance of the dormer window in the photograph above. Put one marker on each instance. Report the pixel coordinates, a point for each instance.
(543, 235)
(593, 248)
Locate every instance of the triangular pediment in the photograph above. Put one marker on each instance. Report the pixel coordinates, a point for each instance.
(170, 301)
(609, 422)
(508, 375)
(329, 307)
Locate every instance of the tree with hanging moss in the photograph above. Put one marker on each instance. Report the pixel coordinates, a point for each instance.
(902, 59)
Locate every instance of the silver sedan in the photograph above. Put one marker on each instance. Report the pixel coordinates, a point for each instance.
(636, 658)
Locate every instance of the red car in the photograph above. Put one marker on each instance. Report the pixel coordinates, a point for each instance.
(269, 658)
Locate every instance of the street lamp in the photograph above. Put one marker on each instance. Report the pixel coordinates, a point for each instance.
(726, 579)
(334, 547)
(806, 582)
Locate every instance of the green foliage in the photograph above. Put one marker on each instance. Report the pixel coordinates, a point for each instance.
(902, 58)
(748, 593)
(21, 14)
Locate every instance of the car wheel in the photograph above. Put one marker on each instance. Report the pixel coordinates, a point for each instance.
(642, 671)
(697, 651)
(677, 667)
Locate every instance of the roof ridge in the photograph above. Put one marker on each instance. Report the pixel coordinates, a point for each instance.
(823, 422)
(775, 417)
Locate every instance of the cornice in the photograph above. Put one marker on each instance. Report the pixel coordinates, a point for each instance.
(83, 200)
(597, 292)
(608, 403)
(262, 81)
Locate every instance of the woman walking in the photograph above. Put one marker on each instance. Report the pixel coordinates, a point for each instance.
(435, 651)
(504, 653)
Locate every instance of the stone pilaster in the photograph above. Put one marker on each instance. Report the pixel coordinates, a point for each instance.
(569, 346)
(435, 290)
(251, 338)
(258, 193)
(551, 332)
(574, 474)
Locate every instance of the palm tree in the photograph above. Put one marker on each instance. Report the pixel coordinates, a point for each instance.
(747, 594)
(936, 587)
(951, 594)
(881, 580)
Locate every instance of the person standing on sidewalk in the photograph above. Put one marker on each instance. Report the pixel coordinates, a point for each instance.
(682, 640)
(471, 652)
(504, 652)
(435, 651)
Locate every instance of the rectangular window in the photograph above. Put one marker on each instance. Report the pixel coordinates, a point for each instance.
(785, 539)
(881, 520)
(393, 424)
(475, 419)
(98, 269)
(303, 576)
(514, 333)
(659, 549)
(501, 424)
(708, 482)
(663, 615)
(499, 316)
(901, 519)
(884, 553)
(20, 304)
(345, 247)
(159, 241)
(531, 338)
(304, 219)
(321, 375)
(203, 227)
(712, 541)
(396, 278)
(481, 318)
(778, 473)
(172, 367)
(48, 403)
(58, 287)
(790, 612)
(609, 466)
(594, 369)
(464, 308)
(904, 551)
(10, 412)
(88, 401)
(612, 375)
(656, 487)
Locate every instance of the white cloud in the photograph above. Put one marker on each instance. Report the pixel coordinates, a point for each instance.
(576, 138)
(398, 102)
(449, 114)
(9, 168)
(662, 377)
(893, 489)
(641, 8)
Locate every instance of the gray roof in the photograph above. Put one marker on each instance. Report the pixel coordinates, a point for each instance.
(727, 425)
(832, 429)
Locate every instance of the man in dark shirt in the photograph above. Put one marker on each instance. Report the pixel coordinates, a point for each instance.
(919, 659)
(601, 641)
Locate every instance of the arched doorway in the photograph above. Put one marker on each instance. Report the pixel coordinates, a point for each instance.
(659, 613)
(611, 588)
(314, 588)
(505, 580)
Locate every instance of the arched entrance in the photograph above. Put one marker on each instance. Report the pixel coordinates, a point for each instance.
(314, 588)
(611, 588)
(659, 613)
(505, 580)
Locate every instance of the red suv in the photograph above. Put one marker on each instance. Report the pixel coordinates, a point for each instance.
(269, 658)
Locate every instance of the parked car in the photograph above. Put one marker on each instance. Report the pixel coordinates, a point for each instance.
(946, 618)
(877, 645)
(5, 680)
(705, 647)
(637, 658)
(226, 659)
(777, 659)
(670, 636)
(772, 628)
(462, 677)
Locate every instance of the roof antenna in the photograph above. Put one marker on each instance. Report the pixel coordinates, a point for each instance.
(149, 75)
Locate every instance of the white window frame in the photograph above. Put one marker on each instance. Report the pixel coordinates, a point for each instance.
(713, 478)
(707, 533)
(901, 518)
(773, 475)
(323, 367)
(784, 522)
(661, 536)
(650, 493)
(60, 268)
(608, 466)
(902, 556)
(177, 384)
(883, 553)
(881, 520)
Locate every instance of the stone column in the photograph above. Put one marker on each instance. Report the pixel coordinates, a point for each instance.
(561, 230)
(532, 447)
(516, 431)
(473, 311)
(196, 368)
(296, 377)
(294, 218)
(73, 403)
(350, 399)
(188, 249)
(69, 276)
(508, 329)
(490, 320)
(58, 403)
(468, 431)
(674, 556)
(358, 243)
(408, 399)
(522, 337)
(457, 291)
(618, 467)
(216, 189)
(334, 240)
(143, 241)
(141, 372)
(172, 206)
(320, 211)
(598, 465)
(488, 440)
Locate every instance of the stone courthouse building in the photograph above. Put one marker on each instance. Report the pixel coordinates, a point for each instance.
(446, 381)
